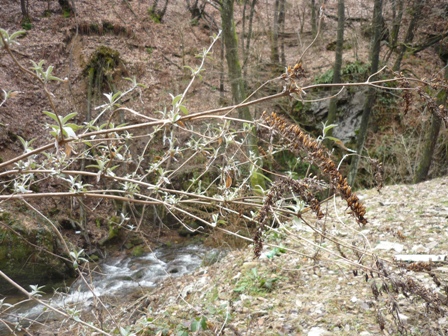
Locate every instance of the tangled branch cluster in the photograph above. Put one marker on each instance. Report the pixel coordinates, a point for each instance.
(292, 78)
(392, 284)
(305, 189)
(439, 111)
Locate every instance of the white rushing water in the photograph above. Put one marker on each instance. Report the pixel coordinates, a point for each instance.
(115, 278)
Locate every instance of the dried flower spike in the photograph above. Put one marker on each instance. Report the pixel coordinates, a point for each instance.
(301, 142)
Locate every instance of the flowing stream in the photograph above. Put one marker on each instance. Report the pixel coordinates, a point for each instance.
(118, 278)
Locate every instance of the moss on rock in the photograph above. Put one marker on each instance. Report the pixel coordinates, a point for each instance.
(114, 230)
(27, 254)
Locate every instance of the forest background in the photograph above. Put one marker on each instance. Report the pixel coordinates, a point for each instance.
(152, 138)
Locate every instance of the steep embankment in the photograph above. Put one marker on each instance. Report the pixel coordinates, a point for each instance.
(287, 293)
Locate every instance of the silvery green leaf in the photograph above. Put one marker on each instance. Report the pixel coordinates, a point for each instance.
(70, 133)
(16, 34)
(68, 117)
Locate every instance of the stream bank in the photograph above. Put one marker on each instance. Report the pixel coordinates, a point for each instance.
(115, 282)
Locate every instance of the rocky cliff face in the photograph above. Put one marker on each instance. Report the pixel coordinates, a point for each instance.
(350, 107)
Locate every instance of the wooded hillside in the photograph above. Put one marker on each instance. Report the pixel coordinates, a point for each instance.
(128, 124)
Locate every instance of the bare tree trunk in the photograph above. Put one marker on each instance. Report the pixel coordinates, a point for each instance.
(397, 10)
(274, 35)
(162, 13)
(301, 17)
(24, 8)
(431, 139)
(249, 35)
(337, 63)
(236, 80)
(231, 44)
(243, 32)
(66, 6)
(313, 18)
(196, 10)
(416, 13)
(221, 74)
(371, 94)
(251, 20)
(278, 54)
(397, 14)
(158, 14)
(281, 23)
